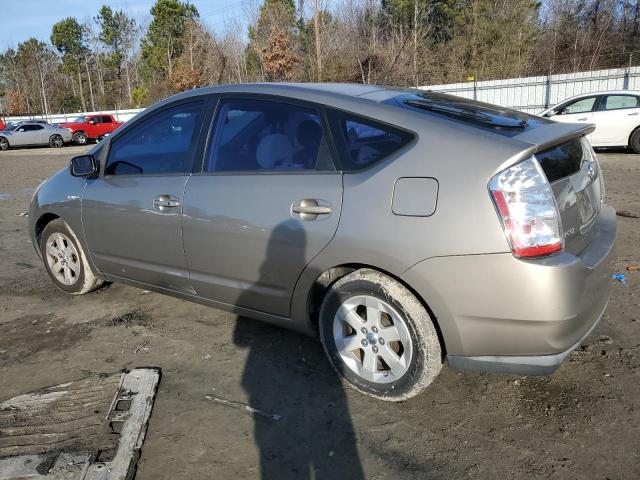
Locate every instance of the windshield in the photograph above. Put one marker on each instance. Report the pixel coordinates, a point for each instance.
(80, 119)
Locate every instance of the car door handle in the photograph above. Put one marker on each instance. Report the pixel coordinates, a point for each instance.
(164, 202)
(309, 208)
(633, 114)
(584, 119)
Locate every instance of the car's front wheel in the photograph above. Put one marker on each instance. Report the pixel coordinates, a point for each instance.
(378, 336)
(65, 260)
(634, 141)
(56, 141)
(80, 138)
(4, 144)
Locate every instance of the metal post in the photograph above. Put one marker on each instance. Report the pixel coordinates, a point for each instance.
(627, 72)
(547, 92)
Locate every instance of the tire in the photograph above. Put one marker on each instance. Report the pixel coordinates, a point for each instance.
(65, 260)
(56, 141)
(404, 364)
(4, 144)
(634, 141)
(80, 138)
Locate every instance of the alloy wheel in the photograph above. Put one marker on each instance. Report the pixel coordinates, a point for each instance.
(372, 339)
(63, 258)
(56, 141)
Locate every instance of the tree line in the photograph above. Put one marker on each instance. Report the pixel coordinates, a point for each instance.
(114, 62)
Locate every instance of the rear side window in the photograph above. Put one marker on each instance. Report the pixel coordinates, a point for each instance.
(365, 142)
(561, 161)
(106, 119)
(267, 136)
(619, 102)
(161, 144)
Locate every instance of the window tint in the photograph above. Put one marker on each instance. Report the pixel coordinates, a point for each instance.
(31, 127)
(106, 119)
(617, 102)
(160, 144)
(580, 106)
(366, 141)
(95, 119)
(259, 135)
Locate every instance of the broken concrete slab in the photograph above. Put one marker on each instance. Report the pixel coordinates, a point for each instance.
(91, 429)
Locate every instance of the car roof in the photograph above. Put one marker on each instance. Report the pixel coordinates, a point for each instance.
(604, 92)
(327, 90)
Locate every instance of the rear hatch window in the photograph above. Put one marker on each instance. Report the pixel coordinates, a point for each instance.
(576, 181)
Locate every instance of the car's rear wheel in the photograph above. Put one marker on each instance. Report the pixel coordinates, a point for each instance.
(65, 260)
(56, 141)
(379, 337)
(80, 138)
(634, 141)
(4, 144)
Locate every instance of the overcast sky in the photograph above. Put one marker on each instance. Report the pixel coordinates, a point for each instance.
(22, 19)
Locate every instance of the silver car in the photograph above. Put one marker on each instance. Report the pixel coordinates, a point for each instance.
(23, 134)
(404, 227)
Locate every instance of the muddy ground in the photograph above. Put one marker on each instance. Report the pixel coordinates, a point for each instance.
(583, 422)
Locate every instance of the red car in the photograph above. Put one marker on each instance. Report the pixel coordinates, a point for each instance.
(91, 127)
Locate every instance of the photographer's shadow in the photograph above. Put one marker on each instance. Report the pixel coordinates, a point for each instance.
(287, 374)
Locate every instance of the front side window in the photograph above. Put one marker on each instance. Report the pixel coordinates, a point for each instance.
(619, 102)
(161, 144)
(579, 106)
(365, 141)
(95, 120)
(267, 136)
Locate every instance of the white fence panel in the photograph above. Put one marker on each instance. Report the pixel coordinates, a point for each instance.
(534, 94)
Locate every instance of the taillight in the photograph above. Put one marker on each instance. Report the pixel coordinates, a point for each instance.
(527, 209)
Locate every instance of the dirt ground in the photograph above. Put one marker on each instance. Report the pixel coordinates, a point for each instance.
(583, 422)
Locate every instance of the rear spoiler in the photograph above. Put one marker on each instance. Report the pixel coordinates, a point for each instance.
(554, 133)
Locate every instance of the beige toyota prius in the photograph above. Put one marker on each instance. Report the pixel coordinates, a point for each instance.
(404, 228)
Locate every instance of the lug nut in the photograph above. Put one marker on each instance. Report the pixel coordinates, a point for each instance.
(381, 341)
(375, 349)
(364, 343)
(374, 329)
(363, 330)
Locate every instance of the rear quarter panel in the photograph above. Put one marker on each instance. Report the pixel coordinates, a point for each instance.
(461, 158)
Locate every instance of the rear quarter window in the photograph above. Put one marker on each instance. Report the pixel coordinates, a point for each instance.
(363, 142)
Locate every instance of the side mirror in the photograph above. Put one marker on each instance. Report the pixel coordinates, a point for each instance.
(21, 129)
(91, 122)
(84, 166)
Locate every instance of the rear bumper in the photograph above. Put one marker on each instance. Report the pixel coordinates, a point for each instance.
(521, 365)
(503, 314)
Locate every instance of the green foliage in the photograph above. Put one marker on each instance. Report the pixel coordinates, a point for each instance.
(139, 95)
(68, 37)
(116, 32)
(162, 46)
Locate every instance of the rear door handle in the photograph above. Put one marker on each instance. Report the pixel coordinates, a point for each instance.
(310, 208)
(583, 119)
(165, 202)
(633, 114)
